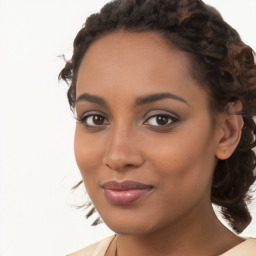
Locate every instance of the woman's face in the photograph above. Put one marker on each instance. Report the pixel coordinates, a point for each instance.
(145, 143)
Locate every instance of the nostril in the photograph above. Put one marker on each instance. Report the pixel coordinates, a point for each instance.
(119, 167)
(121, 158)
(109, 166)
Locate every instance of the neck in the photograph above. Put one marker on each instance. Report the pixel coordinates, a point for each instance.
(197, 234)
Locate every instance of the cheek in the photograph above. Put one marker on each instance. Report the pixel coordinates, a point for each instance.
(185, 159)
(88, 153)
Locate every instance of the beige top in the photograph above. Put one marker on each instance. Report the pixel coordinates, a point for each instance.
(246, 248)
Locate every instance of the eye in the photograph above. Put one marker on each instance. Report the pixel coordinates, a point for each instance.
(93, 120)
(161, 120)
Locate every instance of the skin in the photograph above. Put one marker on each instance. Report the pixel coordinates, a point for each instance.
(177, 159)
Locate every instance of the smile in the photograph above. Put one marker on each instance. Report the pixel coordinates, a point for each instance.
(125, 193)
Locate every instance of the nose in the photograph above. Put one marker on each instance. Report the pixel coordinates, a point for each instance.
(123, 150)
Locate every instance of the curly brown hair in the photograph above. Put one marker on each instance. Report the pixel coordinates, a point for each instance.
(222, 64)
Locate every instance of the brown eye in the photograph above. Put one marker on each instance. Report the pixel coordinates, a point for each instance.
(98, 120)
(162, 120)
(94, 120)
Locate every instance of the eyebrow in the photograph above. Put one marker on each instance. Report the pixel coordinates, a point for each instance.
(91, 98)
(158, 96)
(142, 100)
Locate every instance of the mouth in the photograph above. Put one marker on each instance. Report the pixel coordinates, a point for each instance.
(126, 192)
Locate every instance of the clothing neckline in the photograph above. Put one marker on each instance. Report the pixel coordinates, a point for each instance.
(227, 253)
(239, 246)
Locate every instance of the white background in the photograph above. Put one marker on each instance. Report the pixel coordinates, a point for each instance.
(37, 165)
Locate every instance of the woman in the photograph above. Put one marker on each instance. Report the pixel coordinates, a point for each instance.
(164, 94)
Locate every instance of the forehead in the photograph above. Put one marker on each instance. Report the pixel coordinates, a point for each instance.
(122, 41)
(124, 53)
(123, 66)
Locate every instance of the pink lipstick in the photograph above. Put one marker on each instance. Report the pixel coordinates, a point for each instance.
(125, 193)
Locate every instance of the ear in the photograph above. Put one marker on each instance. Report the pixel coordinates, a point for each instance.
(229, 130)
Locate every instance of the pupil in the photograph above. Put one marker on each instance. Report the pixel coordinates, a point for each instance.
(162, 120)
(99, 120)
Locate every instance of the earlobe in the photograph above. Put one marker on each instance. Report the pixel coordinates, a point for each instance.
(230, 129)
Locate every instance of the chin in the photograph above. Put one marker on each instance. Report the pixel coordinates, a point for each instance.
(132, 223)
(130, 229)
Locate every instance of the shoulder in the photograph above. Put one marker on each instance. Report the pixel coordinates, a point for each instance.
(246, 248)
(96, 249)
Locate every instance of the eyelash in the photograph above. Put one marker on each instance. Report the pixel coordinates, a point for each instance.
(85, 117)
(172, 119)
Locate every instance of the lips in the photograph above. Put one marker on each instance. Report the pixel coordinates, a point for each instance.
(125, 193)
